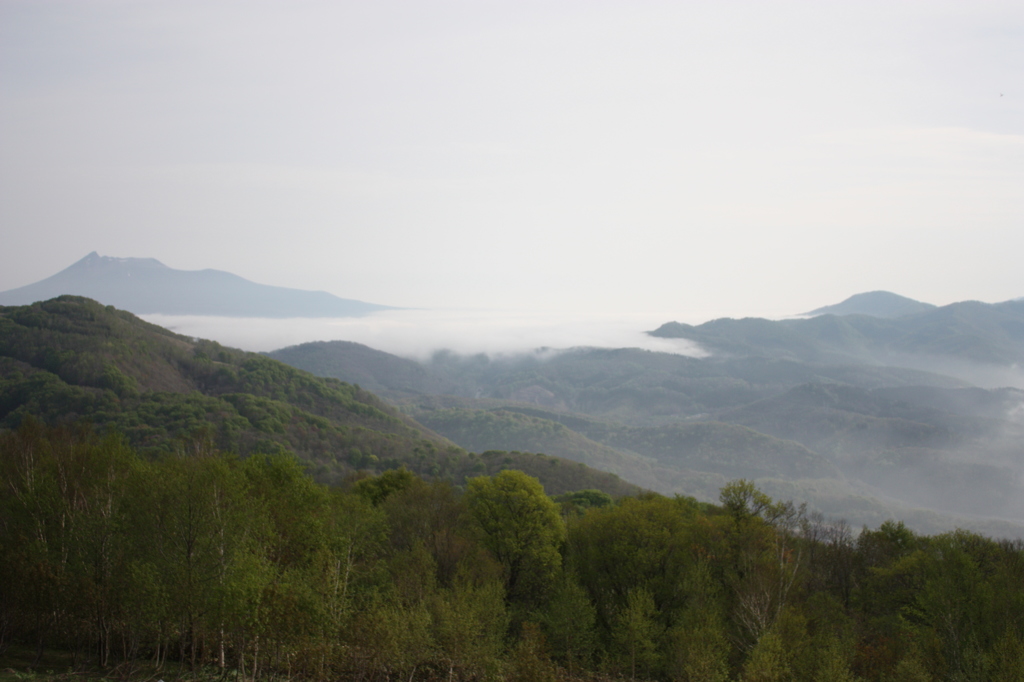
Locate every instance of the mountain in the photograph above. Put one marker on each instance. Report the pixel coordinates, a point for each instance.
(966, 332)
(71, 358)
(626, 385)
(874, 303)
(374, 370)
(865, 442)
(145, 286)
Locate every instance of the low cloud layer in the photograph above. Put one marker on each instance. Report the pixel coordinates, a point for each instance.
(419, 333)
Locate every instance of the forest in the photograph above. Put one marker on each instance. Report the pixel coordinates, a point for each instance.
(72, 359)
(199, 563)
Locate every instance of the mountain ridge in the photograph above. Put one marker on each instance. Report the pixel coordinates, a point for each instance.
(970, 331)
(875, 303)
(145, 286)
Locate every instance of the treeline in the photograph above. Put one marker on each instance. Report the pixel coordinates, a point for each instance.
(200, 560)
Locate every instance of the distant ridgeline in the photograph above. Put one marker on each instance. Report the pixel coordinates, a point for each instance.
(147, 286)
(876, 304)
(876, 327)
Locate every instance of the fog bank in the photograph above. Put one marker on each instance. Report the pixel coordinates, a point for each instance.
(419, 333)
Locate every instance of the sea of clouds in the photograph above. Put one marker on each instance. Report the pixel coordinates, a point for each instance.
(419, 333)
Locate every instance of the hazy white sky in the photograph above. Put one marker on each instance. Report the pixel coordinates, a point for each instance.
(696, 159)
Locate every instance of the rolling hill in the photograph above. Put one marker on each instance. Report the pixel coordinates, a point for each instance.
(860, 440)
(70, 359)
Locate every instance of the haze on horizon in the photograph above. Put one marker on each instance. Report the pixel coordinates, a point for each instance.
(692, 161)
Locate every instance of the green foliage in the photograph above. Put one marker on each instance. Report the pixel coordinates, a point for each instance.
(833, 664)
(580, 501)
(470, 620)
(377, 489)
(220, 566)
(522, 529)
(698, 644)
(529, 659)
(71, 358)
(768, 661)
(700, 652)
(1008, 658)
(743, 500)
(569, 619)
(636, 631)
(648, 542)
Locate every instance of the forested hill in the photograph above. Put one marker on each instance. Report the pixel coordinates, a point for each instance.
(71, 358)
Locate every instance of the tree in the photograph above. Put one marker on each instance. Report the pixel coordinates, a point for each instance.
(833, 664)
(469, 624)
(700, 649)
(766, 555)
(768, 660)
(522, 529)
(530, 661)
(636, 630)
(743, 500)
(432, 516)
(1008, 659)
(648, 542)
(698, 643)
(569, 619)
(378, 488)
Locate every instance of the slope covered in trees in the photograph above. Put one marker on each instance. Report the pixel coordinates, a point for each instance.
(202, 564)
(70, 358)
(864, 442)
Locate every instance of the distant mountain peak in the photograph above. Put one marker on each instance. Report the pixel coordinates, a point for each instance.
(94, 260)
(147, 286)
(876, 304)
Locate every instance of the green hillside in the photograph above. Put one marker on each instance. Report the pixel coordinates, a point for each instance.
(71, 358)
(355, 363)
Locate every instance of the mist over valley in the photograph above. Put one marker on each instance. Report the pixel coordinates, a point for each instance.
(859, 415)
(873, 408)
(512, 341)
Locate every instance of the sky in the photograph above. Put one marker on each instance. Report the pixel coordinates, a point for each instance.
(670, 160)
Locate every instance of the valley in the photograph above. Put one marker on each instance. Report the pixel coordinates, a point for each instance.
(805, 407)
